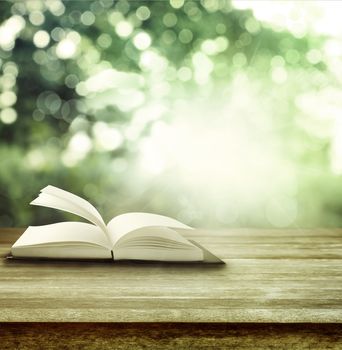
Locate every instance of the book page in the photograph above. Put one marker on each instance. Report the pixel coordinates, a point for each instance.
(67, 233)
(64, 240)
(156, 243)
(125, 223)
(158, 236)
(54, 197)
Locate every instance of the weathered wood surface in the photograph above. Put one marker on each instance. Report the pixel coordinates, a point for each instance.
(280, 276)
(170, 336)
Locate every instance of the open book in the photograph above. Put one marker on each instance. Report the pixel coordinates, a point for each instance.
(133, 236)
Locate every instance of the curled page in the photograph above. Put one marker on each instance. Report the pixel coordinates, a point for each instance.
(53, 197)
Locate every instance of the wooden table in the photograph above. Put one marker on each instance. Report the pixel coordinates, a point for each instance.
(278, 288)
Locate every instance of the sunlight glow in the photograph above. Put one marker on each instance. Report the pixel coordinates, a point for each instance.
(336, 150)
(111, 78)
(142, 41)
(124, 29)
(298, 17)
(107, 138)
(222, 113)
(67, 47)
(9, 31)
(41, 38)
(8, 98)
(79, 146)
(8, 115)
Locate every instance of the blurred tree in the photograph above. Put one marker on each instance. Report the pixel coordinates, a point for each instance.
(149, 105)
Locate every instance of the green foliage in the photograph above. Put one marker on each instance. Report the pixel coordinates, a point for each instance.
(194, 109)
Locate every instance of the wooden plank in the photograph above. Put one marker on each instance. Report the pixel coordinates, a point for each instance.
(268, 277)
(194, 315)
(271, 250)
(155, 302)
(170, 336)
(9, 235)
(274, 251)
(261, 252)
(267, 232)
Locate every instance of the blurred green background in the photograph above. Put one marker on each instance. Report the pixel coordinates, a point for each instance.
(218, 113)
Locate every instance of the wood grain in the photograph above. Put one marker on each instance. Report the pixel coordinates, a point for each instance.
(170, 336)
(280, 276)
